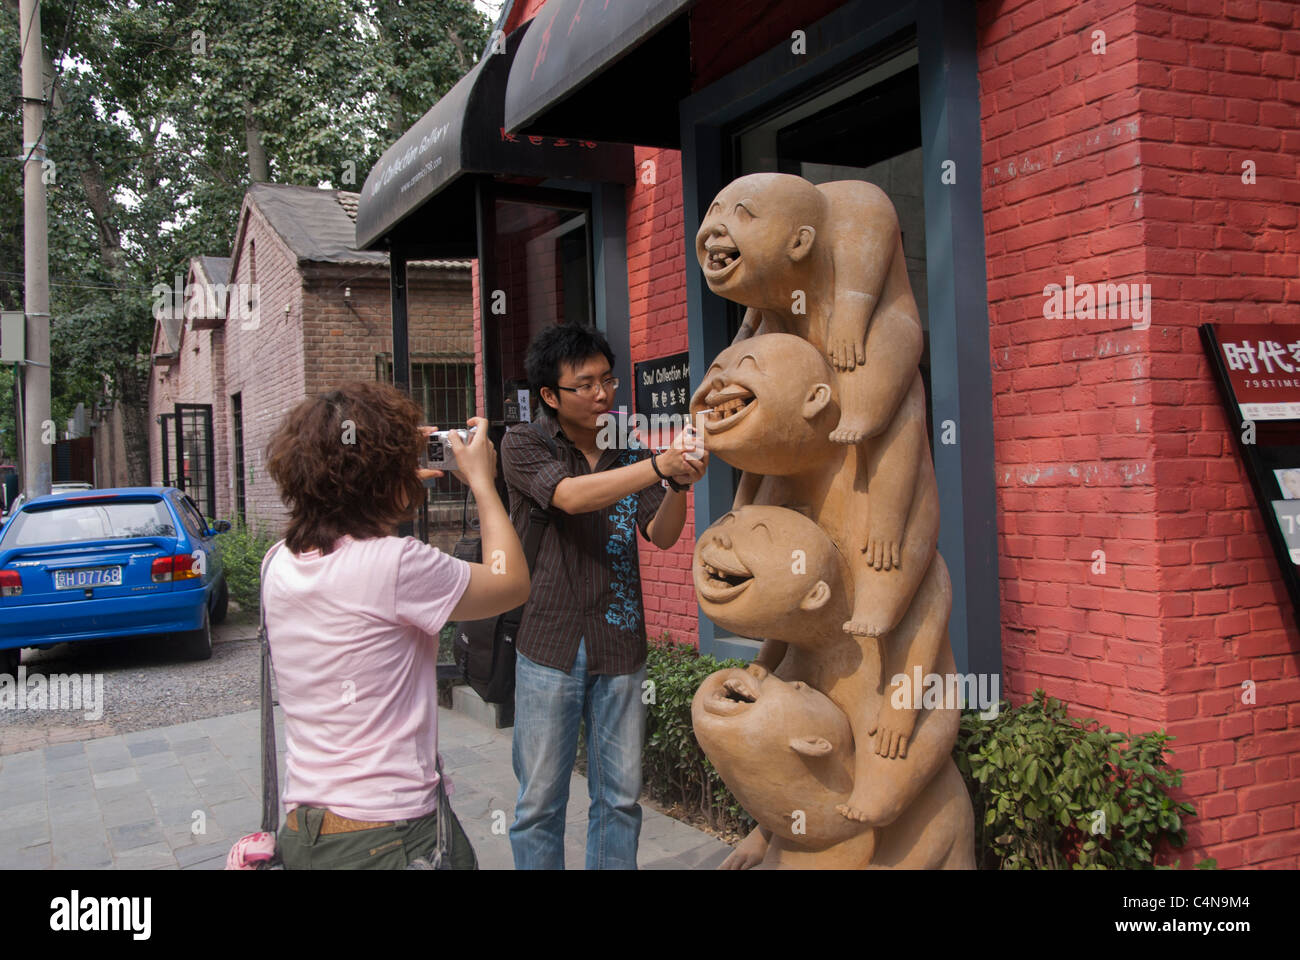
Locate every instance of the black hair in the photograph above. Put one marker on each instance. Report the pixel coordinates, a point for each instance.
(556, 346)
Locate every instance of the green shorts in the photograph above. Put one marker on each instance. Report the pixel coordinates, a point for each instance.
(381, 848)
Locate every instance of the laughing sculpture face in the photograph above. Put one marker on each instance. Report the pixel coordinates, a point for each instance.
(771, 740)
(770, 571)
(766, 404)
(756, 229)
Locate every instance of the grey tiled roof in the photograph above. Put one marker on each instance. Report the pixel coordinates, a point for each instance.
(217, 269)
(318, 225)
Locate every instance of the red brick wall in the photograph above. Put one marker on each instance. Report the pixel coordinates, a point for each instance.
(1127, 167)
(656, 276)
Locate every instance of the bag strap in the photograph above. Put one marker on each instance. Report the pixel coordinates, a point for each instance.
(270, 770)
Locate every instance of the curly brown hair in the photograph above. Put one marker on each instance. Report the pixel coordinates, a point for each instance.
(345, 464)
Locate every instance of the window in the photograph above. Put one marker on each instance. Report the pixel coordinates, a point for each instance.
(237, 419)
(99, 521)
(444, 392)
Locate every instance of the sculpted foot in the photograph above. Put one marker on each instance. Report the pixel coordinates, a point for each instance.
(852, 810)
(878, 607)
(848, 433)
(865, 627)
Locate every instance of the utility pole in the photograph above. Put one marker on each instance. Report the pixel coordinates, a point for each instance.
(38, 432)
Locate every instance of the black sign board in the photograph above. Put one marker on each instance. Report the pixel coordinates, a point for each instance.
(663, 396)
(663, 386)
(1251, 366)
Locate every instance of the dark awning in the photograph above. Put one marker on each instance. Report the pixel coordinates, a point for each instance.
(461, 136)
(614, 66)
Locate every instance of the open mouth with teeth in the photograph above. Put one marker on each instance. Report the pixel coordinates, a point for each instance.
(721, 261)
(724, 409)
(732, 692)
(720, 579)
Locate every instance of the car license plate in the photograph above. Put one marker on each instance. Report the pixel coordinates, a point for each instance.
(87, 577)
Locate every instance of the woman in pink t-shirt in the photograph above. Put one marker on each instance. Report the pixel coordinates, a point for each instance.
(353, 614)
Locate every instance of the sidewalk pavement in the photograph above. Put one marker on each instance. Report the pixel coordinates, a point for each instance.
(179, 796)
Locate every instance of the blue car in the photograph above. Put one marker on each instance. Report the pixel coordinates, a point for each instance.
(98, 564)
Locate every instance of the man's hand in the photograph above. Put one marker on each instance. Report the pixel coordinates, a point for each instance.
(694, 470)
(694, 457)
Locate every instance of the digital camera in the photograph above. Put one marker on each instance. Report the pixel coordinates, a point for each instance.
(438, 454)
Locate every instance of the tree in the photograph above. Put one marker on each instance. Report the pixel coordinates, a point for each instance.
(168, 110)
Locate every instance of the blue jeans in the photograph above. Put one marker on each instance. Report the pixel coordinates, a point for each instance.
(549, 704)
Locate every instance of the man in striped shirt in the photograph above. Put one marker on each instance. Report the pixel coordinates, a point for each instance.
(581, 645)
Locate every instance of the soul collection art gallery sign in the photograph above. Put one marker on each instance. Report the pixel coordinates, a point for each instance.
(663, 396)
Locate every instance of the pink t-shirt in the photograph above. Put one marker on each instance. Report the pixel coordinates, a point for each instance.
(354, 642)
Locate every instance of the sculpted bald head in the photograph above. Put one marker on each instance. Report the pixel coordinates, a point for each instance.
(768, 404)
(756, 234)
(771, 571)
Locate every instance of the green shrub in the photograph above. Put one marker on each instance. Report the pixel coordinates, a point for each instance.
(674, 767)
(1055, 792)
(242, 550)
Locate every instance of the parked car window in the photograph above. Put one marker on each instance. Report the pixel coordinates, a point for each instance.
(99, 521)
(192, 519)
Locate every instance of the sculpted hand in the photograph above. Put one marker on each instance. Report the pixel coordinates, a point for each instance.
(748, 853)
(845, 351)
(892, 730)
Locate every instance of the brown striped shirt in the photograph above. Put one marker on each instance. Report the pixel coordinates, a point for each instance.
(587, 579)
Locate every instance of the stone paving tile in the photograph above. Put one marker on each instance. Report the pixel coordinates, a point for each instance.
(116, 778)
(71, 764)
(58, 751)
(26, 858)
(198, 852)
(132, 836)
(109, 762)
(145, 858)
(94, 857)
(122, 812)
(143, 748)
(73, 812)
(193, 745)
(20, 838)
(16, 816)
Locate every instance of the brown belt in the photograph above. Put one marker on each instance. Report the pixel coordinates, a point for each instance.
(333, 823)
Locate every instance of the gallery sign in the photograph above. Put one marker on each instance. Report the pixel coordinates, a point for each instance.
(1262, 362)
(1257, 369)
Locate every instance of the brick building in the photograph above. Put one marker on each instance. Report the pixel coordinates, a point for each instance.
(293, 311)
(1099, 526)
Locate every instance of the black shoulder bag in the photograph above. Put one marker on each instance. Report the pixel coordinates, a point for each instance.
(485, 649)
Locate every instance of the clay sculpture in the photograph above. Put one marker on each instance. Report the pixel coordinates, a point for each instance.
(829, 552)
(773, 569)
(764, 406)
(776, 744)
(824, 263)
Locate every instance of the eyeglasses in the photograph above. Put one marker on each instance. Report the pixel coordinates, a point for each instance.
(610, 384)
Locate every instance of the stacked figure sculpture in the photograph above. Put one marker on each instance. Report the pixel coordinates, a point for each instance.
(829, 553)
